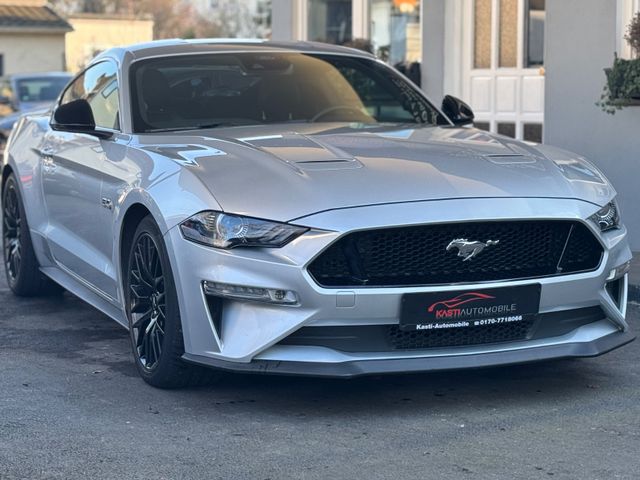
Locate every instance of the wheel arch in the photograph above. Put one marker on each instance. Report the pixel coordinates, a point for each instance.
(6, 171)
(130, 221)
(158, 201)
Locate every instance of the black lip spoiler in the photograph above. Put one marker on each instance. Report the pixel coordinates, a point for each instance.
(357, 368)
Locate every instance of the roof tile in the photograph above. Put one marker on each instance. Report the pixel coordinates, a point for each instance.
(14, 16)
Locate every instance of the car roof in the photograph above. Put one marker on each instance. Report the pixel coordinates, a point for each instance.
(196, 46)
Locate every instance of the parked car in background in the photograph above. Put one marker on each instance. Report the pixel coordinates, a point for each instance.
(302, 208)
(26, 92)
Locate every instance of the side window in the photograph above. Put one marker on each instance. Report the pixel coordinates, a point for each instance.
(377, 99)
(98, 86)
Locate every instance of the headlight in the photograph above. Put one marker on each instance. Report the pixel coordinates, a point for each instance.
(607, 217)
(222, 230)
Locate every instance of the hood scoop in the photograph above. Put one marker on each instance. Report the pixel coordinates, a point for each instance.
(513, 154)
(330, 164)
(505, 155)
(303, 152)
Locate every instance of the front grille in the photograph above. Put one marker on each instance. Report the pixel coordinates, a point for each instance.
(417, 255)
(458, 337)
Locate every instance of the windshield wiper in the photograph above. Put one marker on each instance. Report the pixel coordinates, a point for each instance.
(193, 127)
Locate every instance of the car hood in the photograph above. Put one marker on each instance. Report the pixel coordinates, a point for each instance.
(265, 173)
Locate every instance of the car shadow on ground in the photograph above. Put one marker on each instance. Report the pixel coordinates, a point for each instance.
(73, 332)
(565, 380)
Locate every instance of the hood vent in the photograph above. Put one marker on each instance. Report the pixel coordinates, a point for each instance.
(501, 155)
(304, 152)
(510, 158)
(337, 164)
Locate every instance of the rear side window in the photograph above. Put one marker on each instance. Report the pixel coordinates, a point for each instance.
(99, 86)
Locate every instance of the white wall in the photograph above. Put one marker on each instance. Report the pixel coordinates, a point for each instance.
(284, 20)
(25, 53)
(433, 49)
(92, 34)
(578, 47)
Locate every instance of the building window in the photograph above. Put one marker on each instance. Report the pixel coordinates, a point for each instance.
(508, 33)
(626, 10)
(482, 34)
(395, 30)
(533, 132)
(534, 40)
(507, 128)
(486, 126)
(330, 21)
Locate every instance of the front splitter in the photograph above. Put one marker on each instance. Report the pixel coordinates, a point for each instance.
(356, 368)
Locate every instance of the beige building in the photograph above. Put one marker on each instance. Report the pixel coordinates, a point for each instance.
(93, 34)
(31, 37)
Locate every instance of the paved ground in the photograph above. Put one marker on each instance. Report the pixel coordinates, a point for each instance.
(72, 407)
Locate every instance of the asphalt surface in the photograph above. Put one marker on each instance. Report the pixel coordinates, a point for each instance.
(72, 406)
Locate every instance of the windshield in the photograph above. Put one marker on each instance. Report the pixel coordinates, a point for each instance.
(40, 89)
(226, 89)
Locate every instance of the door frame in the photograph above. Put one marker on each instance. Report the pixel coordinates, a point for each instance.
(467, 72)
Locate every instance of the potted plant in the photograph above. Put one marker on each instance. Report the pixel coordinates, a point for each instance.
(623, 78)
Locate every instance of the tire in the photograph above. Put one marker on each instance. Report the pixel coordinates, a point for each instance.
(20, 263)
(154, 316)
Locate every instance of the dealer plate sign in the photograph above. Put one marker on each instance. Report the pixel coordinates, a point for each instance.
(469, 308)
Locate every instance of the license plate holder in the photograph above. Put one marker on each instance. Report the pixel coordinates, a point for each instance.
(469, 308)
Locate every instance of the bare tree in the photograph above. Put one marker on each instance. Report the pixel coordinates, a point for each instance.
(172, 18)
(65, 7)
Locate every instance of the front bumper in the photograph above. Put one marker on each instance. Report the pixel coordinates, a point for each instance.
(249, 336)
(353, 367)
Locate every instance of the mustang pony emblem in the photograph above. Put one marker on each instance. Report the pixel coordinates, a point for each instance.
(468, 250)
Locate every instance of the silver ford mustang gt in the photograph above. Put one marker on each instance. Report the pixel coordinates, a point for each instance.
(302, 208)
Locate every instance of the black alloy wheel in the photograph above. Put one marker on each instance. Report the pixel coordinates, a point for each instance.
(152, 309)
(11, 232)
(147, 305)
(20, 263)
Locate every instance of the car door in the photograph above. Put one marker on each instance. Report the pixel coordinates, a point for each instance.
(72, 176)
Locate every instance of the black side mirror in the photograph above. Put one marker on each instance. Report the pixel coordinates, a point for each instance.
(458, 111)
(77, 117)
